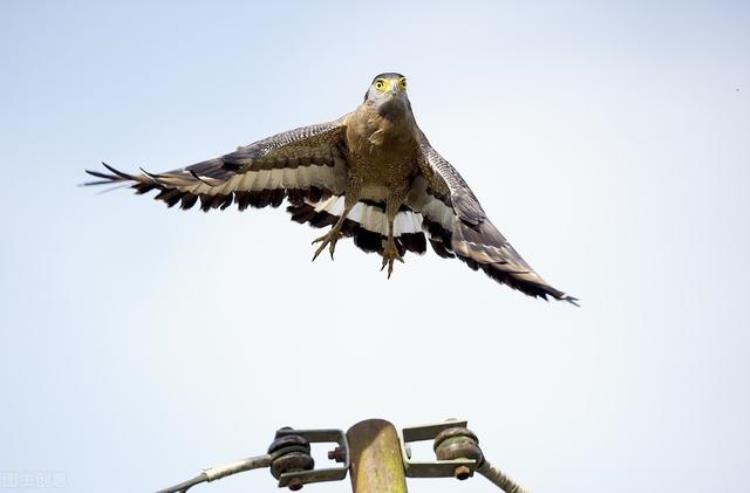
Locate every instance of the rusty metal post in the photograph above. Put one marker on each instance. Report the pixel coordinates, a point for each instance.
(376, 462)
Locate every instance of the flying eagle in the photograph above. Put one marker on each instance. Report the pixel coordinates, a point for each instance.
(372, 175)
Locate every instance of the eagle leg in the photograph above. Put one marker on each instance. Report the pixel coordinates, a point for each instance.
(334, 234)
(390, 250)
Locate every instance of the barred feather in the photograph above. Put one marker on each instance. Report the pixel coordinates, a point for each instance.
(304, 163)
(458, 226)
(367, 223)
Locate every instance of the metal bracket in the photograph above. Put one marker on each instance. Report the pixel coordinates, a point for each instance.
(317, 475)
(436, 468)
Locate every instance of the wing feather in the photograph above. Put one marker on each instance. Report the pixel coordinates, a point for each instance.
(458, 226)
(300, 163)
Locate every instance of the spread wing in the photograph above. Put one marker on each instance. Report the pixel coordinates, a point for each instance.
(304, 164)
(307, 166)
(457, 226)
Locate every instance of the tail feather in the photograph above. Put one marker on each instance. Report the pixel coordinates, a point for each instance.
(367, 223)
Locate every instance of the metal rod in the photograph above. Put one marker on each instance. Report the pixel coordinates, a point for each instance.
(376, 463)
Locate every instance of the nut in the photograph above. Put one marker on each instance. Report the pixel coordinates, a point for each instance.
(462, 472)
(295, 484)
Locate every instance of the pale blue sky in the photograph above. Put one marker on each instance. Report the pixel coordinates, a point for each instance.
(609, 142)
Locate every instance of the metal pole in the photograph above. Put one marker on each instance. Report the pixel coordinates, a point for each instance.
(376, 463)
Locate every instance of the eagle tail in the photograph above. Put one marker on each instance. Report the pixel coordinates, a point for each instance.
(366, 223)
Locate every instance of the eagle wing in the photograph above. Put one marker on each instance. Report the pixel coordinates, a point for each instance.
(307, 166)
(457, 226)
(304, 164)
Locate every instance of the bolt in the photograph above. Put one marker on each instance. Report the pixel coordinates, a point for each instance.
(295, 484)
(337, 454)
(462, 472)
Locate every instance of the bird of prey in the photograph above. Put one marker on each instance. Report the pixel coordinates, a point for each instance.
(371, 175)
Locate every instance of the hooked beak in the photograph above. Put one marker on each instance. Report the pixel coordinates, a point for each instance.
(395, 105)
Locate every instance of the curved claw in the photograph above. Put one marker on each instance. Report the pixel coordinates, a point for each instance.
(390, 253)
(329, 239)
(389, 263)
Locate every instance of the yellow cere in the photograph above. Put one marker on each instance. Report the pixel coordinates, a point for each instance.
(385, 85)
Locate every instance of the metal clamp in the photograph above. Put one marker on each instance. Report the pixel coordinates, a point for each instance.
(455, 456)
(458, 453)
(293, 466)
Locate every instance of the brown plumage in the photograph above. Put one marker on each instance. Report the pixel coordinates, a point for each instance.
(371, 175)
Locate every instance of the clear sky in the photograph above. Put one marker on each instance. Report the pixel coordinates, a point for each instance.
(609, 141)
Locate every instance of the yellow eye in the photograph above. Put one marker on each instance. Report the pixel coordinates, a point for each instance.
(380, 85)
(402, 84)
